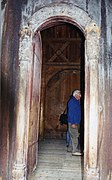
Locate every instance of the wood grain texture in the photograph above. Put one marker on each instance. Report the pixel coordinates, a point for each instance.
(55, 163)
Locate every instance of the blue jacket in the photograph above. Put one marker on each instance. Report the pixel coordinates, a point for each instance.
(74, 111)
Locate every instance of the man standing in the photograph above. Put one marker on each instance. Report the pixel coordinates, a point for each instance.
(74, 118)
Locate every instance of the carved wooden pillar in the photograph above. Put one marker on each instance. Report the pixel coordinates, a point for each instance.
(23, 104)
(91, 103)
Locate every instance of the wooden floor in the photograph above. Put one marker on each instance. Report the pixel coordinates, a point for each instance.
(55, 163)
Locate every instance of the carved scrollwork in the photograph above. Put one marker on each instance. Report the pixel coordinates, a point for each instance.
(25, 31)
(93, 28)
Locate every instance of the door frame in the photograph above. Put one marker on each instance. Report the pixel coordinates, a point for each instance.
(29, 27)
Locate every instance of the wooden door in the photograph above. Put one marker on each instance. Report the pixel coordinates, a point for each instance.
(58, 92)
(35, 103)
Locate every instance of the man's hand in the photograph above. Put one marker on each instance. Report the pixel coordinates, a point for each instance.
(74, 126)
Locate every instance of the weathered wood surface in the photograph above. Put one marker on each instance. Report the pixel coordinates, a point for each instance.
(55, 163)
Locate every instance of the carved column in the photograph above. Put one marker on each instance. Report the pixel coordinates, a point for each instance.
(23, 103)
(91, 103)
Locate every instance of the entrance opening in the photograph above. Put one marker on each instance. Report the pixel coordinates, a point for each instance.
(62, 72)
(63, 64)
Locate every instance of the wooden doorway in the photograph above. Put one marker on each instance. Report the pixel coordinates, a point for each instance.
(62, 72)
(29, 59)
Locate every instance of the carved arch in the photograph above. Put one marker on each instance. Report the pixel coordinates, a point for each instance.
(79, 18)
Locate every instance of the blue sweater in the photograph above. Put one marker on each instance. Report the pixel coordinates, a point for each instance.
(74, 111)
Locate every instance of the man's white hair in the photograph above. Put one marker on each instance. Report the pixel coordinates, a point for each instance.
(76, 92)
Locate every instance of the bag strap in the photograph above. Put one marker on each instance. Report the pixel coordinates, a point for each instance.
(65, 111)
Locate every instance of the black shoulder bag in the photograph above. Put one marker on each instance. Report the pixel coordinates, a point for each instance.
(63, 118)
